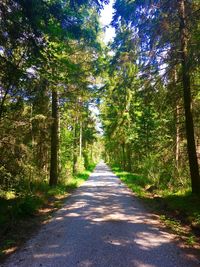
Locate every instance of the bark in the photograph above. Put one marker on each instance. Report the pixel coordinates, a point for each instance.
(91, 152)
(2, 103)
(59, 150)
(177, 135)
(74, 146)
(80, 140)
(191, 148)
(177, 123)
(123, 156)
(54, 140)
(128, 152)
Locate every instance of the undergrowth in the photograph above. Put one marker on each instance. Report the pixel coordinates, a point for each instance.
(15, 209)
(177, 209)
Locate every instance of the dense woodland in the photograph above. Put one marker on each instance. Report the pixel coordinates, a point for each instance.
(49, 60)
(151, 108)
(55, 69)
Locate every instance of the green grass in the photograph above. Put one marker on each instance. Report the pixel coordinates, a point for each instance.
(13, 206)
(134, 181)
(177, 209)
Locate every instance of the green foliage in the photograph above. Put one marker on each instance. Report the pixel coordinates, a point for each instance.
(154, 34)
(173, 224)
(60, 51)
(16, 207)
(192, 240)
(182, 201)
(136, 87)
(135, 182)
(26, 206)
(79, 166)
(176, 209)
(142, 107)
(18, 210)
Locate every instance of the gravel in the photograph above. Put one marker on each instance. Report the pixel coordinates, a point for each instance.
(102, 225)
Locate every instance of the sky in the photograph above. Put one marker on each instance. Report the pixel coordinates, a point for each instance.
(105, 19)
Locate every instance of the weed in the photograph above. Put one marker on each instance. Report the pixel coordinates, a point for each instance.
(9, 242)
(134, 181)
(191, 240)
(27, 206)
(172, 224)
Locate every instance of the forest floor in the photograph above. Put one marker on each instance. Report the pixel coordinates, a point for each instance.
(103, 224)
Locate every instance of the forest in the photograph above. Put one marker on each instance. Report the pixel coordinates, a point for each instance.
(60, 83)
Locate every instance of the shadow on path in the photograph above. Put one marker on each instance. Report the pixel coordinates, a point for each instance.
(102, 225)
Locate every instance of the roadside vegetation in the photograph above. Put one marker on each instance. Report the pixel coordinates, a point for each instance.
(58, 80)
(22, 214)
(151, 103)
(179, 210)
(50, 52)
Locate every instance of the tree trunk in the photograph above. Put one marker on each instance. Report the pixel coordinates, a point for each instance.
(123, 156)
(59, 150)
(80, 140)
(54, 140)
(3, 102)
(128, 157)
(177, 116)
(191, 148)
(74, 146)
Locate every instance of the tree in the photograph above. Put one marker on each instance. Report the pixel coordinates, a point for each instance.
(162, 27)
(42, 45)
(191, 147)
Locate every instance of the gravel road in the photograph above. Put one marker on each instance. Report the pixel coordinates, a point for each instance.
(102, 225)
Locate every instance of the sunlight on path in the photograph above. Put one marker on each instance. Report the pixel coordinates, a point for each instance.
(102, 225)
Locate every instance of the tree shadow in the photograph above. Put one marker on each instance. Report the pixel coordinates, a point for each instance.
(102, 225)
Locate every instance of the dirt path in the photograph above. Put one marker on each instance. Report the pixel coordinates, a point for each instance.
(102, 225)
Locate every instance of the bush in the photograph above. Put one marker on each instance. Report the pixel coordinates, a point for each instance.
(26, 206)
(6, 178)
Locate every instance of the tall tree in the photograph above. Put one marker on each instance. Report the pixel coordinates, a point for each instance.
(191, 147)
(54, 140)
(162, 27)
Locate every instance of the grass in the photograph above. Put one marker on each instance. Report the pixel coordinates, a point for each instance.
(180, 211)
(21, 214)
(134, 181)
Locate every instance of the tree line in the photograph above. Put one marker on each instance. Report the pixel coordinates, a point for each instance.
(49, 56)
(54, 68)
(150, 111)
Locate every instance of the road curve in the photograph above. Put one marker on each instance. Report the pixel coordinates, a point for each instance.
(101, 225)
